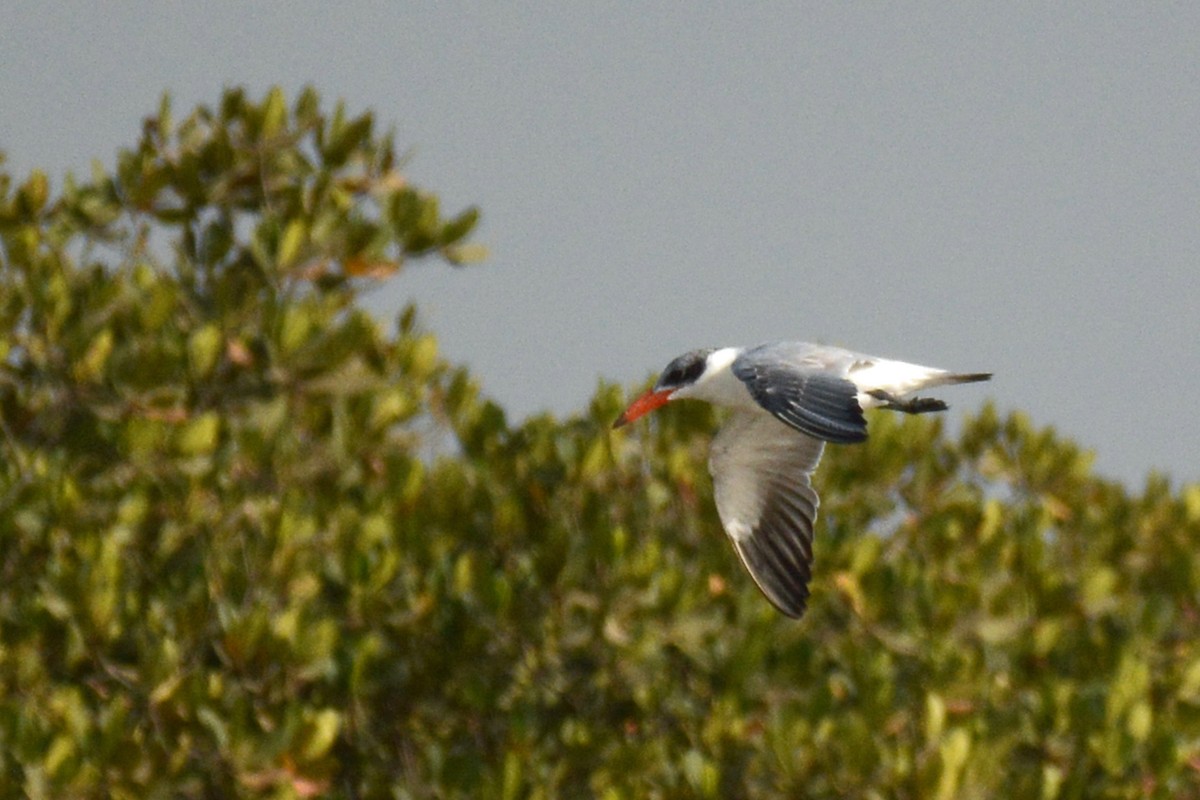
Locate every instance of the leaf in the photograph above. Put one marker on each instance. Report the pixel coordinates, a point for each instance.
(291, 245)
(366, 267)
(204, 348)
(512, 777)
(935, 717)
(459, 227)
(463, 254)
(199, 436)
(953, 753)
(164, 123)
(322, 731)
(1098, 590)
(32, 196)
(90, 367)
(296, 328)
(274, 113)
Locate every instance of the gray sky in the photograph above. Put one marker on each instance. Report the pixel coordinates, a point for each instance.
(983, 188)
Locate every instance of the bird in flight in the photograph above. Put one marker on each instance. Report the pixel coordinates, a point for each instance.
(788, 400)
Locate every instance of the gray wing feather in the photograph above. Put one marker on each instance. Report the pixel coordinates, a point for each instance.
(804, 386)
(761, 480)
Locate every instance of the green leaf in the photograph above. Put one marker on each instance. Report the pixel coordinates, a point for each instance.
(322, 732)
(459, 227)
(290, 246)
(200, 435)
(205, 345)
(164, 121)
(953, 753)
(274, 114)
(32, 196)
(90, 368)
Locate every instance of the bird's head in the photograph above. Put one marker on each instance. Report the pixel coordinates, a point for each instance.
(681, 373)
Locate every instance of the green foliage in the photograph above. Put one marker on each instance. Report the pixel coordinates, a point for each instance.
(252, 544)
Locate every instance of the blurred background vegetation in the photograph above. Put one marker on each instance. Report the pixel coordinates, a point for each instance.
(256, 543)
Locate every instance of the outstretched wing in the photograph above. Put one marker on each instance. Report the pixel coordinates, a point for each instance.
(762, 484)
(798, 388)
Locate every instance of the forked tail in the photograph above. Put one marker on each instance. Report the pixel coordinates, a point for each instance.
(964, 377)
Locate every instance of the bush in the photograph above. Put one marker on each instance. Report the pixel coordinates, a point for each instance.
(254, 544)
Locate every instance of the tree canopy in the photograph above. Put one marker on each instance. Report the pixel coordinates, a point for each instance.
(256, 542)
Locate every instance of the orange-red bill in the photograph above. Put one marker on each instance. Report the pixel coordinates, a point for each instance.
(644, 405)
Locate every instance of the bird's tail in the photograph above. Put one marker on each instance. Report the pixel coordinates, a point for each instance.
(900, 378)
(888, 383)
(951, 378)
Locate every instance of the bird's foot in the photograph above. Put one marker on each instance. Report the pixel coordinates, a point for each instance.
(911, 405)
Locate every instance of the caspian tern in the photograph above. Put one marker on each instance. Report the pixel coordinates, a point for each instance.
(788, 400)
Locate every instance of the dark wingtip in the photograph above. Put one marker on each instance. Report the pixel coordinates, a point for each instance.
(971, 377)
(780, 567)
(795, 610)
(787, 600)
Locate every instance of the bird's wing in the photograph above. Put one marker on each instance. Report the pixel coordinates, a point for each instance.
(761, 480)
(805, 386)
